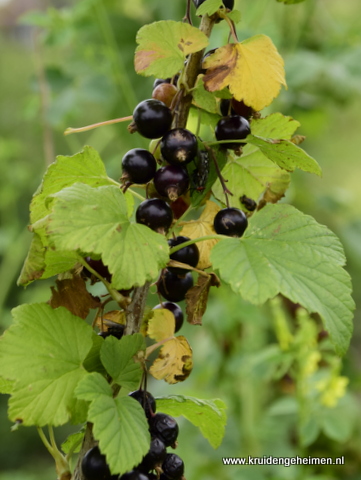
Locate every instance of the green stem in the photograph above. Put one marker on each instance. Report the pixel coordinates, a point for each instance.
(70, 130)
(116, 296)
(196, 240)
(45, 441)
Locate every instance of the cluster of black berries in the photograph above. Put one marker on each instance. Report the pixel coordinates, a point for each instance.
(157, 463)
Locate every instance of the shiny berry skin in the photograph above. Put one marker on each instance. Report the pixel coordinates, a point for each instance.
(154, 457)
(227, 3)
(179, 146)
(173, 466)
(146, 400)
(152, 118)
(164, 427)
(133, 475)
(116, 330)
(159, 81)
(139, 166)
(171, 181)
(188, 255)
(94, 465)
(99, 267)
(174, 288)
(177, 312)
(165, 92)
(233, 127)
(231, 222)
(156, 214)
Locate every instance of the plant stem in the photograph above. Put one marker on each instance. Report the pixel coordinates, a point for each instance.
(195, 240)
(191, 73)
(70, 130)
(135, 310)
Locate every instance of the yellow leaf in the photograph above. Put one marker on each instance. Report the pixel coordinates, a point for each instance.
(200, 228)
(109, 319)
(174, 363)
(253, 70)
(162, 325)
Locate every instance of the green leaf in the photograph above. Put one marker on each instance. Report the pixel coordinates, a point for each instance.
(208, 415)
(85, 167)
(34, 264)
(274, 126)
(285, 251)
(251, 175)
(117, 357)
(235, 16)
(73, 442)
(163, 47)
(338, 423)
(209, 7)
(95, 220)
(6, 386)
(119, 424)
(92, 363)
(286, 154)
(203, 99)
(43, 351)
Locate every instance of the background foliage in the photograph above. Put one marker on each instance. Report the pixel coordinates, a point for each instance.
(70, 64)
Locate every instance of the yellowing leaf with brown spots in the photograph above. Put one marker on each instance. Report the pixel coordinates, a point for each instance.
(163, 47)
(253, 70)
(200, 228)
(162, 325)
(174, 363)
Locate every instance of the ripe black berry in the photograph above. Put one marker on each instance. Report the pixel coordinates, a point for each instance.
(133, 475)
(235, 107)
(159, 81)
(164, 427)
(233, 127)
(171, 181)
(94, 465)
(152, 118)
(116, 330)
(139, 166)
(156, 214)
(179, 146)
(188, 255)
(231, 222)
(154, 457)
(174, 288)
(146, 400)
(227, 3)
(177, 312)
(99, 267)
(173, 466)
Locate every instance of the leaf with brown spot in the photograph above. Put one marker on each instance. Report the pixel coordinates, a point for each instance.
(174, 363)
(200, 228)
(253, 70)
(197, 297)
(72, 294)
(162, 48)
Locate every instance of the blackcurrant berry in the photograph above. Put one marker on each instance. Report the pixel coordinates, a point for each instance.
(152, 118)
(94, 465)
(99, 267)
(240, 108)
(174, 288)
(146, 400)
(139, 166)
(156, 214)
(179, 146)
(116, 330)
(233, 127)
(154, 457)
(177, 312)
(159, 81)
(173, 466)
(227, 3)
(165, 92)
(188, 255)
(171, 181)
(231, 222)
(164, 427)
(134, 475)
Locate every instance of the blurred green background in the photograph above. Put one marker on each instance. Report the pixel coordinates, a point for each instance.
(70, 63)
